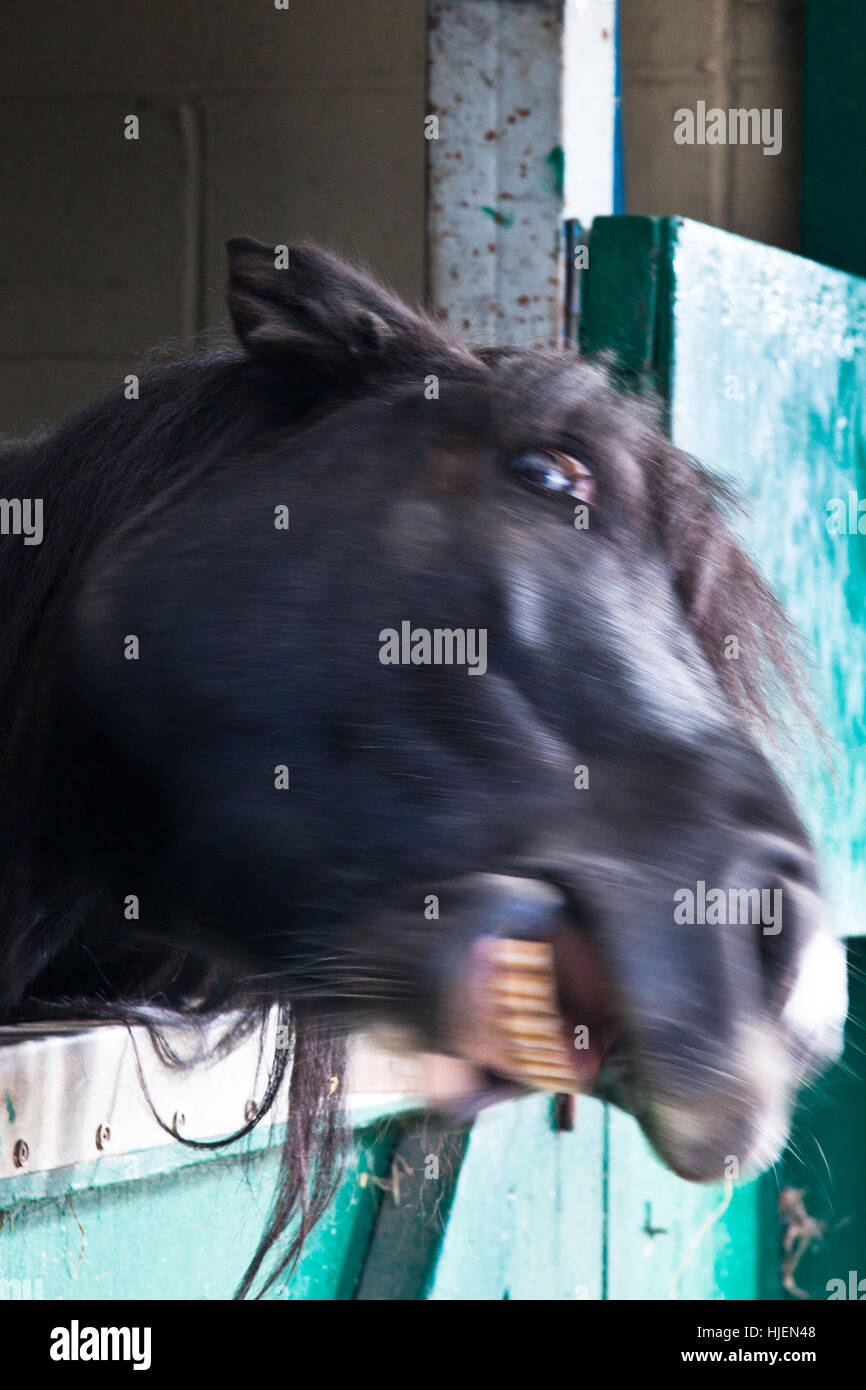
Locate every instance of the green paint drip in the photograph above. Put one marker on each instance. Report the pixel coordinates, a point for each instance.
(556, 161)
(502, 219)
(10, 1109)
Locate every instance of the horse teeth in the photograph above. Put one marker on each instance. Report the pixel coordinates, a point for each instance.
(525, 955)
(545, 1081)
(520, 987)
(551, 1059)
(530, 1050)
(524, 1014)
(543, 1032)
(529, 1026)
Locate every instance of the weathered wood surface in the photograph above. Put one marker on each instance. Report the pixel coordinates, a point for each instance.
(761, 359)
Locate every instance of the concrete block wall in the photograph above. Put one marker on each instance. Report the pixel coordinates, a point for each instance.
(283, 124)
(728, 53)
(306, 122)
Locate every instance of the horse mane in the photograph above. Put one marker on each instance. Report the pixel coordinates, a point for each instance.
(111, 462)
(105, 464)
(722, 591)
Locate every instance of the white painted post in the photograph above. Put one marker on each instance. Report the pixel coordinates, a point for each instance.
(523, 93)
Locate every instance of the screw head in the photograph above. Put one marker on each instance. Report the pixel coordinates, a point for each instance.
(21, 1153)
(103, 1136)
(179, 1120)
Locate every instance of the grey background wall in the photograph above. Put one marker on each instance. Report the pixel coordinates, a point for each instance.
(291, 124)
(281, 124)
(727, 53)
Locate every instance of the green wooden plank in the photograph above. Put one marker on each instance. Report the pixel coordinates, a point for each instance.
(527, 1220)
(827, 1160)
(834, 134)
(335, 1256)
(671, 1239)
(188, 1233)
(106, 1169)
(619, 309)
(777, 406)
(763, 358)
(413, 1214)
(109, 1170)
(187, 1236)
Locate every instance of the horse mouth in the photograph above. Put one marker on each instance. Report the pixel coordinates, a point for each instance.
(535, 1004)
(537, 983)
(536, 1014)
(542, 1015)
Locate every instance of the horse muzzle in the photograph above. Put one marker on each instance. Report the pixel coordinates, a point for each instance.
(702, 1030)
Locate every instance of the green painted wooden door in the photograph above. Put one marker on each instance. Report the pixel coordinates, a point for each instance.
(760, 357)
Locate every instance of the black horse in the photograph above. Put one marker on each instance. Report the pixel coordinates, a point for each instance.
(350, 662)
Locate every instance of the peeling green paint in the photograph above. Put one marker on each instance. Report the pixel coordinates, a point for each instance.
(762, 358)
(10, 1109)
(502, 219)
(556, 161)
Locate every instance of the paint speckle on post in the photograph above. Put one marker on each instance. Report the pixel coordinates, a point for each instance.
(556, 161)
(10, 1109)
(502, 219)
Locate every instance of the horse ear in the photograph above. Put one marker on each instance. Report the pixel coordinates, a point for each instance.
(318, 310)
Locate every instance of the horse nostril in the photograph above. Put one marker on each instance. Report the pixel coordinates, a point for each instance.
(777, 954)
(796, 917)
(795, 868)
(774, 887)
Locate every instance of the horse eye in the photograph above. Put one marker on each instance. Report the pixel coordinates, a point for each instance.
(551, 471)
